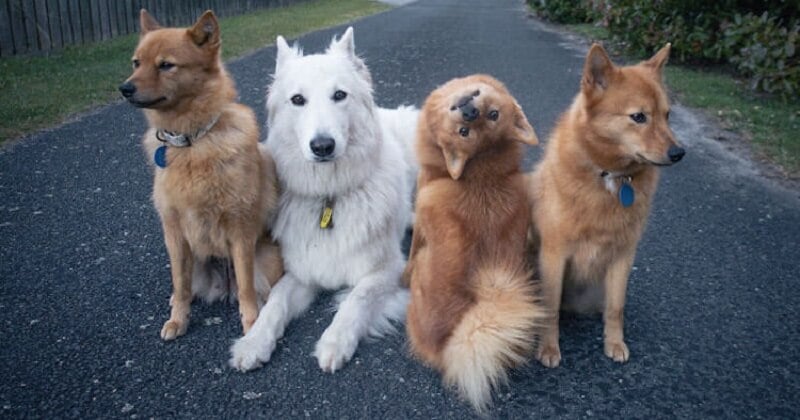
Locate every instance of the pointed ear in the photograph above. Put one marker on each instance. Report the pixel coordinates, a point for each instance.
(147, 23)
(597, 70)
(455, 161)
(659, 60)
(523, 129)
(285, 52)
(344, 45)
(205, 32)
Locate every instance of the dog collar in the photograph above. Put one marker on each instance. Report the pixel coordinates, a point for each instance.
(182, 139)
(625, 193)
(177, 140)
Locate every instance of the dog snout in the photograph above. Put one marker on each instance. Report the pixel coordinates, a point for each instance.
(127, 89)
(675, 153)
(323, 146)
(469, 112)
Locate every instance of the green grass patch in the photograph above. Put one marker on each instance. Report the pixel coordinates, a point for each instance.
(37, 92)
(770, 123)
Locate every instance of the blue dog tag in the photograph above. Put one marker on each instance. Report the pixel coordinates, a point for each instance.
(160, 157)
(626, 194)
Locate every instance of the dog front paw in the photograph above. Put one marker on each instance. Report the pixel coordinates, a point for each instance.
(549, 355)
(173, 329)
(617, 350)
(248, 354)
(333, 352)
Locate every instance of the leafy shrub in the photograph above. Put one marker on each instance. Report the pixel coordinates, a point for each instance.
(762, 47)
(766, 52)
(567, 11)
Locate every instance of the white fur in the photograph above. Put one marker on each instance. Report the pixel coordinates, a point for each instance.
(369, 181)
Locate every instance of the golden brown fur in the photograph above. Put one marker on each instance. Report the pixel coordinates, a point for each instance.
(584, 234)
(216, 196)
(472, 312)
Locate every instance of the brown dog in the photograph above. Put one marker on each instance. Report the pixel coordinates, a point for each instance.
(214, 190)
(473, 311)
(592, 191)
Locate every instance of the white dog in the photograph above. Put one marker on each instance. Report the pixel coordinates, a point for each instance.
(344, 167)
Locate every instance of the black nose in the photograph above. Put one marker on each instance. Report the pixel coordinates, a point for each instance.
(127, 89)
(469, 112)
(675, 153)
(323, 146)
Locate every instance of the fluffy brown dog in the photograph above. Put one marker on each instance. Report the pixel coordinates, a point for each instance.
(591, 193)
(473, 311)
(214, 190)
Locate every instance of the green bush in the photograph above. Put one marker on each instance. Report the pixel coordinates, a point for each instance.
(765, 52)
(761, 45)
(568, 11)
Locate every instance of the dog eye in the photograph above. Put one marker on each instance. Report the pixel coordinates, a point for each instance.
(339, 95)
(639, 118)
(494, 115)
(136, 64)
(165, 65)
(464, 131)
(298, 100)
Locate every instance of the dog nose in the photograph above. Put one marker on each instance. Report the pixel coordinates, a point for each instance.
(469, 112)
(675, 153)
(323, 146)
(127, 89)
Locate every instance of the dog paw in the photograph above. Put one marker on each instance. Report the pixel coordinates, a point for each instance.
(549, 356)
(173, 329)
(248, 354)
(618, 351)
(333, 352)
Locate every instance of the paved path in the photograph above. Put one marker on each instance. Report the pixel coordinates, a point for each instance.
(712, 318)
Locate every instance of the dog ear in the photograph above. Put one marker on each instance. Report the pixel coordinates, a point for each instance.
(147, 22)
(205, 32)
(660, 58)
(344, 45)
(523, 129)
(285, 52)
(597, 70)
(455, 161)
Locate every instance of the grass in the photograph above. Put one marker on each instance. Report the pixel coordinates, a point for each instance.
(771, 124)
(37, 92)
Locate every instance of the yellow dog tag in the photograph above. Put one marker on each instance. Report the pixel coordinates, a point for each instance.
(326, 218)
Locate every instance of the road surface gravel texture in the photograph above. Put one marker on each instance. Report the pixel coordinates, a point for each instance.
(712, 311)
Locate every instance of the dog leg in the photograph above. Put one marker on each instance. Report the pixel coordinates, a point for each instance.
(368, 308)
(287, 300)
(616, 284)
(181, 266)
(552, 270)
(243, 254)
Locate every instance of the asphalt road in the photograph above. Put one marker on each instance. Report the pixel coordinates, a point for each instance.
(712, 313)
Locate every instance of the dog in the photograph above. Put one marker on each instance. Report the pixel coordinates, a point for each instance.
(214, 189)
(473, 309)
(345, 204)
(591, 193)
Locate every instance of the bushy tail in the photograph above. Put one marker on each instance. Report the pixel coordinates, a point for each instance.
(496, 333)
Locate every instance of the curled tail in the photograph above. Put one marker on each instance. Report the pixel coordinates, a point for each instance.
(496, 333)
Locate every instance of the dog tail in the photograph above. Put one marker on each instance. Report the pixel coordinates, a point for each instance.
(497, 332)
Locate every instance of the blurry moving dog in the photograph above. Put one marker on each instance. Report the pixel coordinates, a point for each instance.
(214, 190)
(592, 191)
(473, 310)
(345, 202)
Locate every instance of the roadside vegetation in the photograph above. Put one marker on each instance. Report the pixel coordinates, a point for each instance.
(739, 63)
(37, 92)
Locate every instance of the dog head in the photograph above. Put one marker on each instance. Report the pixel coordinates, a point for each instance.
(319, 100)
(628, 110)
(172, 64)
(468, 116)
